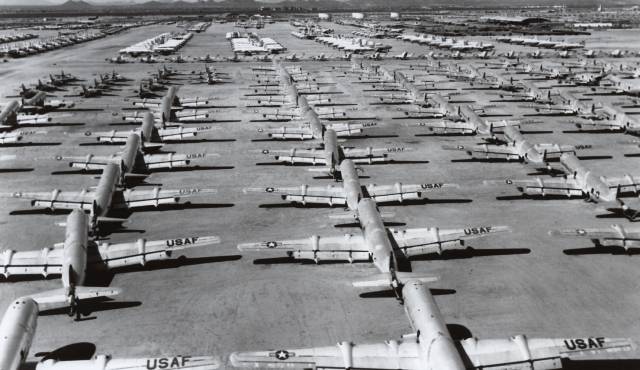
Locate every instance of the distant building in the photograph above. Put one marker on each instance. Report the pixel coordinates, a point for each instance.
(394, 15)
(324, 16)
(357, 15)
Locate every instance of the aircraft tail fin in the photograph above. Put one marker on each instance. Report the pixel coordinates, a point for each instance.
(60, 298)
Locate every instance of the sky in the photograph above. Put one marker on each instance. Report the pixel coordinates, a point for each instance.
(39, 2)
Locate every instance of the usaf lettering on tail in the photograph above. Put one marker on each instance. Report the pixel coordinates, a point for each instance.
(477, 230)
(584, 343)
(181, 241)
(168, 362)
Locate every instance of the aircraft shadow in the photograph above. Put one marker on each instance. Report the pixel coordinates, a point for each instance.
(372, 137)
(104, 278)
(484, 160)
(31, 143)
(77, 172)
(419, 202)
(89, 307)
(39, 211)
(536, 197)
(355, 224)
(598, 249)
(601, 364)
(200, 141)
(298, 205)
(388, 293)
(602, 131)
(14, 170)
(291, 260)
(536, 132)
(23, 278)
(616, 213)
(176, 263)
(193, 168)
(71, 352)
(470, 253)
(452, 134)
(595, 157)
(183, 206)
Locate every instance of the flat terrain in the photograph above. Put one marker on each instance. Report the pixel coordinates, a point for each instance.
(218, 301)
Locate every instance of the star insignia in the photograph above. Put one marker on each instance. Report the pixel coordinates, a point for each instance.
(272, 244)
(282, 354)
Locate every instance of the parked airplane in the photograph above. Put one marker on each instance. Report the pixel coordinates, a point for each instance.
(472, 124)
(519, 149)
(431, 346)
(151, 135)
(613, 236)
(351, 191)
(107, 196)
(40, 104)
(11, 117)
(580, 181)
(77, 255)
(332, 154)
(377, 244)
(18, 329)
(133, 162)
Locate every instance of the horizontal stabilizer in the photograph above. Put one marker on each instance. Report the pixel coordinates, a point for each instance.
(387, 279)
(111, 219)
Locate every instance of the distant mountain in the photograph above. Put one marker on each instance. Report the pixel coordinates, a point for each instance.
(325, 5)
(76, 5)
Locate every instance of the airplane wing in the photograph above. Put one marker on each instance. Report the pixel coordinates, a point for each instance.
(553, 186)
(347, 247)
(613, 236)
(590, 124)
(179, 133)
(557, 149)
(393, 354)
(111, 363)
(90, 161)
(57, 199)
(348, 129)
(490, 151)
(142, 251)
(113, 136)
(311, 156)
(36, 262)
(626, 183)
(136, 198)
(419, 241)
(447, 127)
(170, 160)
(308, 194)
(520, 353)
(369, 153)
(399, 192)
(516, 353)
